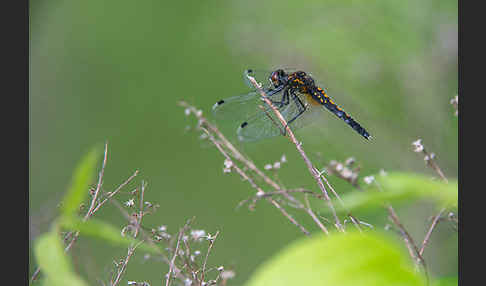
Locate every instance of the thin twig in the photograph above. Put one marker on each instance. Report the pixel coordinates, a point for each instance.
(172, 262)
(408, 239)
(235, 153)
(88, 214)
(253, 184)
(115, 191)
(211, 243)
(431, 229)
(98, 186)
(141, 213)
(314, 217)
(131, 250)
(147, 238)
(287, 215)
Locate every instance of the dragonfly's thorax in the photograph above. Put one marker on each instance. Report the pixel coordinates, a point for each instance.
(301, 82)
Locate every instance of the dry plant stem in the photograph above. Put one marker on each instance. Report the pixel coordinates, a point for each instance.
(408, 240)
(75, 238)
(431, 229)
(311, 168)
(225, 142)
(287, 215)
(356, 224)
(172, 262)
(140, 215)
(211, 243)
(131, 250)
(92, 210)
(300, 190)
(314, 217)
(431, 163)
(98, 186)
(253, 184)
(147, 238)
(116, 191)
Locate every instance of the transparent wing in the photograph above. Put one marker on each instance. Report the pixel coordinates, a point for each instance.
(262, 125)
(261, 76)
(230, 113)
(237, 108)
(265, 123)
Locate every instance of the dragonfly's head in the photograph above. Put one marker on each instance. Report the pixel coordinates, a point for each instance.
(278, 78)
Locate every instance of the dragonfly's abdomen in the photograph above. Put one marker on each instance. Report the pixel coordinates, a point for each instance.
(319, 95)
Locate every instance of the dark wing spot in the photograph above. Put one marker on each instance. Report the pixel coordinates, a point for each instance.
(244, 124)
(249, 71)
(217, 104)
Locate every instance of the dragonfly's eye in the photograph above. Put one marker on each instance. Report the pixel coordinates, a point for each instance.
(274, 79)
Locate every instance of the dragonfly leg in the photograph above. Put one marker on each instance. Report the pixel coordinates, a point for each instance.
(301, 108)
(271, 92)
(285, 99)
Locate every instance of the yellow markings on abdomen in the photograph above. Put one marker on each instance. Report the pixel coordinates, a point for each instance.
(312, 100)
(327, 98)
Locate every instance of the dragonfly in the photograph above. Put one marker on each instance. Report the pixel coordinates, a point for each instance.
(295, 94)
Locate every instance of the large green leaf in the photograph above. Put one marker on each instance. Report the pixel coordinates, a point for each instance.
(54, 263)
(399, 188)
(82, 176)
(352, 258)
(104, 231)
(446, 281)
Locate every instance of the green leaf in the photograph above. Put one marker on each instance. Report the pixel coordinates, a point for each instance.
(54, 263)
(446, 281)
(344, 259)
(400, 187)
(82, 177)
(101, 230)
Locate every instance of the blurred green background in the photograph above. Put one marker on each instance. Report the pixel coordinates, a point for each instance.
(114, 71)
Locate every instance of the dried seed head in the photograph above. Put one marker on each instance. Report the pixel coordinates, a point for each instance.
(228, 163)
(209, 237)
(383, 173)
(339, 167)
(198, 234)
(418, 147)
(227, 274)
(227, 166)
(130, 202)
(350, 161)
(346, 173)
(369, 179)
